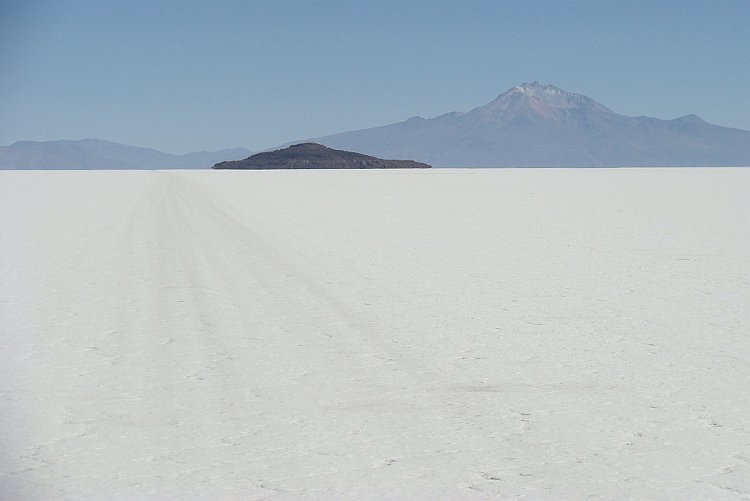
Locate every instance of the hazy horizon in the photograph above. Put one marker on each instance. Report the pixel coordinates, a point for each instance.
(185, 77)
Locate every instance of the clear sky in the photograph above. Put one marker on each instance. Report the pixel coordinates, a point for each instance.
(188, 76)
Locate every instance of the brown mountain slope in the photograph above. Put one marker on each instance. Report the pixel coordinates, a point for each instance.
(316, 156)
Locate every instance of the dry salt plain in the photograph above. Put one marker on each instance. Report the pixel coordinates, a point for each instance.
(443, 334)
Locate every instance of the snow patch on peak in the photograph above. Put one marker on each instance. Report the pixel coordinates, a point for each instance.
(536, 90)
(526, 87)
(545, 100)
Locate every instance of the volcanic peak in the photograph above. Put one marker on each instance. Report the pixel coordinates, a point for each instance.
(534, 101)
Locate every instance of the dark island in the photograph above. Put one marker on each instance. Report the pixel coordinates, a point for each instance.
(316, 156)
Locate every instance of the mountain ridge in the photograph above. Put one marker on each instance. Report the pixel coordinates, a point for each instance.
(532, 125)
(100, 154)
(529, 125)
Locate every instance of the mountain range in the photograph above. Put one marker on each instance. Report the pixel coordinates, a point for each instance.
(534, 125)
(530, 125)
(99, 154)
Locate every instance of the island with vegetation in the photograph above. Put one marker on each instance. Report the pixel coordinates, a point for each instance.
(316, 156)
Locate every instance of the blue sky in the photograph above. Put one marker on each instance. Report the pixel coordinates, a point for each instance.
(190, 76)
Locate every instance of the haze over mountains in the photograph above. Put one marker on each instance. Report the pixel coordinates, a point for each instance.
(530, 125)
(99, 154)
(542, 126)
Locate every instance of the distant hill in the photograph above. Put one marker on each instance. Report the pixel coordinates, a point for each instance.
(316, 156)
(542, 126)
(99, 154)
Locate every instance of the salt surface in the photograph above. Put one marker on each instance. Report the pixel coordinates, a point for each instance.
(443, 334)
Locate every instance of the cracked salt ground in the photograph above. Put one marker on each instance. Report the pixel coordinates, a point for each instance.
(443, 334)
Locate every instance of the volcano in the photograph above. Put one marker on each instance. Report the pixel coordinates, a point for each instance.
(533, 125)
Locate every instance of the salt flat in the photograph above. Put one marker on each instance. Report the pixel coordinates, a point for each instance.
(442, 334)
